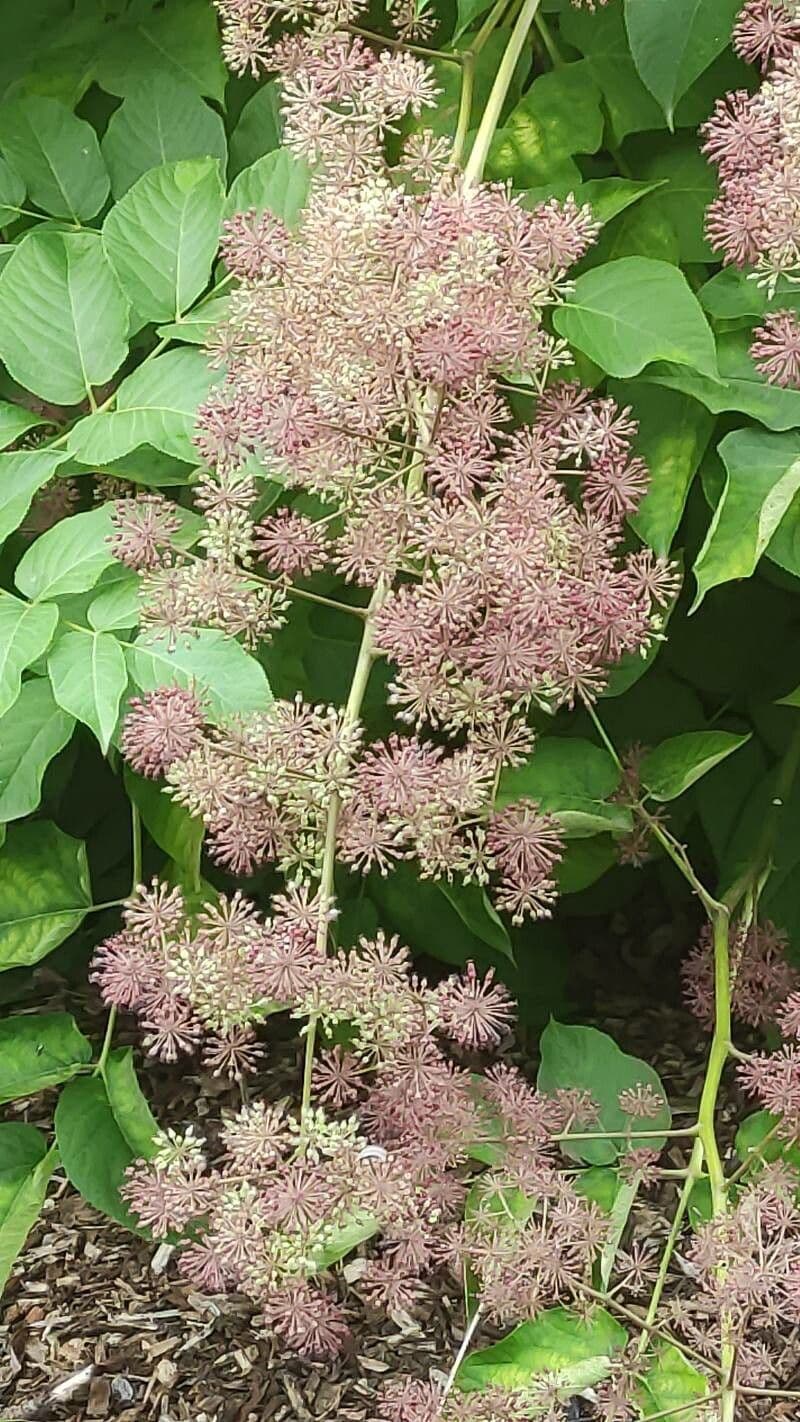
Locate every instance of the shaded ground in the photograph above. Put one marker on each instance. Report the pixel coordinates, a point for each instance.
(97, 1325)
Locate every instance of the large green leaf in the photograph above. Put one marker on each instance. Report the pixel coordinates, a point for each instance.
(63, 316)
(607, 197)
(15, 421)
(571, 778)
(475, 908)
(179, 42)
(39, 1050)
(25, 1169)
(162, 236)
(26, 632)
(672, 44)
(163, 121)
(69, 557)
(156, 405)
(757, 1136)
(677, 763)
(674, 431)
(44, 891)
(689, 185)
(579, 1348)
(22, 474)
(559, 115)
(584, 1059)
(259, 129)
(56, 155)
(93, 1149)
(734, 295)
(128, 1104)
(32, 732)
(117, 608)
(89, 674)
(670, 1384)
(762, 479)
(174, 830)
(601, 37)
(633, 311)
(277, 183)
(12, 193)
(197, 325)
(740, 386)
(229, 680)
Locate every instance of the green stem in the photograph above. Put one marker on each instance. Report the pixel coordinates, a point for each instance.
(694, 1173)
(499, 92)
(464, 106)
(546, 36)
(352, 713)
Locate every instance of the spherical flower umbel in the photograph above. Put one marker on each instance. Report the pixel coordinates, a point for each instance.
(161, 727)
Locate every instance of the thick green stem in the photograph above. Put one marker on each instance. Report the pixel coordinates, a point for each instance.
(499, 92)
(465, 105)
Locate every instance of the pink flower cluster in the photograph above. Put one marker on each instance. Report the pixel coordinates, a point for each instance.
(282, 1191)
(754, 139)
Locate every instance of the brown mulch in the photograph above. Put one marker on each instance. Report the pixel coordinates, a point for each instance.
(97, 1324)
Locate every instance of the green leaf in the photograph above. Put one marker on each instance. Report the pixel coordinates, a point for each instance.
(25, 634)
(117, 608)
(607, 197)
(32, 732)
(227, 678)
(128, 1105)
(559, 115)
(740, 387)
(752, 1140)
(600, 1184)
(174, 830)
(475, 908)
(22, 474)
(677, 763)
(672, 44)
(557, 1341)
(197, 325)
(23, 1186)
(277, 183)
(163, 121)
(93, 1149)
(56, 155)
(44, 891)
(584, 1059)
(343, 1241)
(69, 557)
(633, 311)
(674, 431)
(156, 405)
(15, 421)
(179, 42)
(734, 295)
(572, 779)
(259, 129)
(12, 193)
(670, 1384)
(689, 185)
(89, 674)
(162, 236)
(39, 1050)
(762, 479)
(63, 316)
(468, 11)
